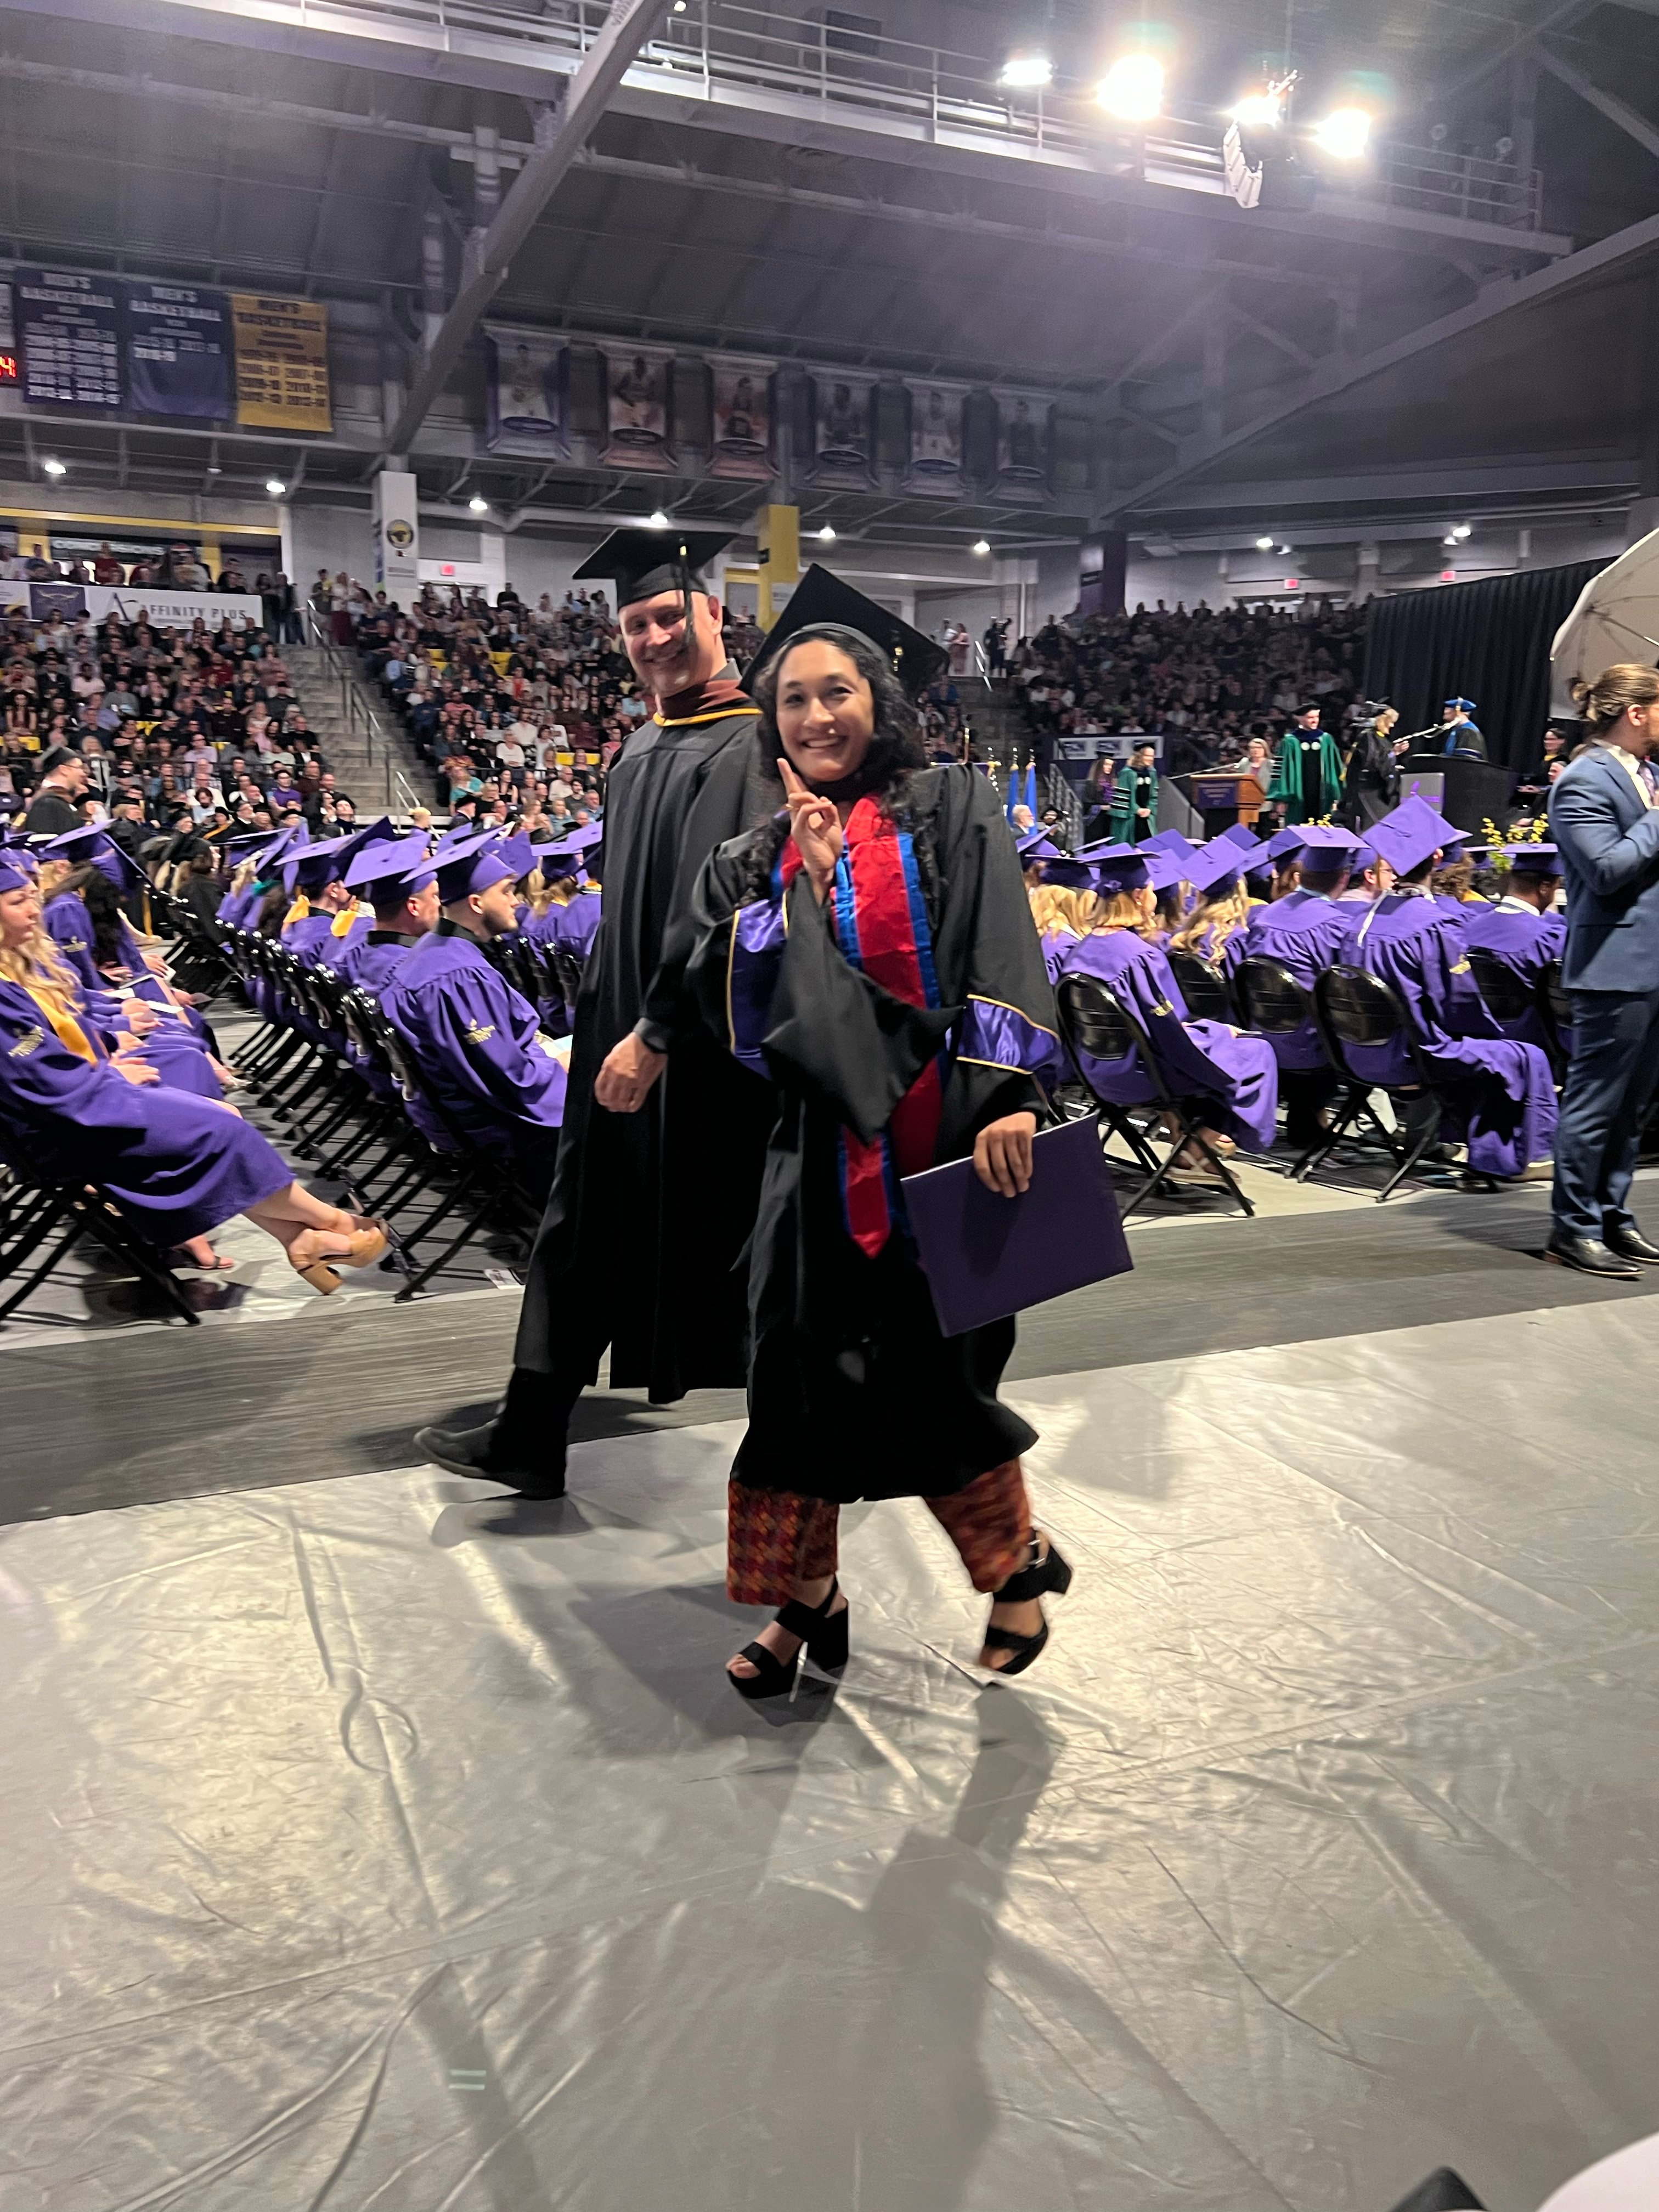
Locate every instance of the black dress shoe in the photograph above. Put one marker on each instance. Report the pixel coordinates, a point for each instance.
(476, 1452)
(1631, 1244)
(1592, 1257)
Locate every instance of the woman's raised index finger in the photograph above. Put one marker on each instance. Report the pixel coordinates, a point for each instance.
(792, 783)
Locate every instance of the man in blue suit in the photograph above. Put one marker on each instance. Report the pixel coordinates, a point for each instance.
(1605, 828)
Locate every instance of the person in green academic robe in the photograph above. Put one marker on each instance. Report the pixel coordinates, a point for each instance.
(1133, 817)
(1307, 782)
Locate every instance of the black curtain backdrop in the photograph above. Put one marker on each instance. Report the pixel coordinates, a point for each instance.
(1488, 641)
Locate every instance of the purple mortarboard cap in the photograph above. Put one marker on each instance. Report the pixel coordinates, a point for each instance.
(1406, 840)
(1238, 833)
(1327, 849)
(1036, 845)
(1532, 860)
(1418, 810)
(1165, 869)
(1122, 867)
(314, 867)
(95, 844)
(1217, 864)
(1365, 857)
(1287, 841)
(16, 868)
(1171, 840)
(1069, 874)
(476, 863)
(385, 861)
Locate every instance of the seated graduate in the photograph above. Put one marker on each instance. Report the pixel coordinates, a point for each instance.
(1520, 928)
(1502, 1092)
(1304, 931)
(1060, 907)
(1283, 850)
(327, 916)
(1368, 877)
(1214, 930)
(1234, 1074)
(398, 879)
(474, 1041)
(871, 951)
(176, 1165)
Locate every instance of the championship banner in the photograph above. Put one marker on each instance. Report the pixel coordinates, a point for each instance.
(525, 389)
(936, 461)
(843, 429)
(282, 363)
(70, 326)
(638, 396)
(741, 444)
(179, 351)
(1025, 436)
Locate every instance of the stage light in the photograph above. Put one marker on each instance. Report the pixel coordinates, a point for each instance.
(54, 467)
(1133, 88)
(826, 536)
(275, 486)
(981, 546)
(1025, 72)
(478, 503)
(1345, 133)
(1264, 544)
(1259, 111)
(656, 520)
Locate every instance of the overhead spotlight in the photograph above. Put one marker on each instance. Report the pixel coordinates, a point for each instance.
(981, 546)
(1345, 133)
(1021, 72)
(657, 521)
(1264, 544)
(679, 7)
(478, 503)
(275, 486)
(826, 536)
(1450, 539)
(1261, 111)
(53, 466)
(1462, 529)
(1133, 88)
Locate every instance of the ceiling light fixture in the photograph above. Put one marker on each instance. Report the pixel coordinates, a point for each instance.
(275, 486)
(1264, 544)
(1024, 71)
(53, 466)
(478, 503)
(1259, 111)
(981, 546)
(1345, 133)
(1462, 529)
(1133, 88)
(656, 520)
(826, 536)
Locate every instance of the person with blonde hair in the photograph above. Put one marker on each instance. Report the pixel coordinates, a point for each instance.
(176, 1164)
(1214, 930)
(1604, 825)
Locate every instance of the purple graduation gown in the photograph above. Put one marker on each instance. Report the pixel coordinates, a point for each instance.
(1503, 1096)
(369, 962)
(473, 1040)
(1304, 931)
(178, 1165)
(1526, 942)
(1235, 1074)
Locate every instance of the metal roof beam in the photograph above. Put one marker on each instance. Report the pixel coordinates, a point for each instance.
(1340, 371)
(1616, 111)
(560, 134)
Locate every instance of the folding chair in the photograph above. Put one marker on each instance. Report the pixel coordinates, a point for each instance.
(1272, 1003)
(1203, 988)
(1354, 1009)
(1094, 1020)
(41, 1207)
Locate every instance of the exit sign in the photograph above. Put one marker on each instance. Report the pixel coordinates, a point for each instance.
(1293, 583)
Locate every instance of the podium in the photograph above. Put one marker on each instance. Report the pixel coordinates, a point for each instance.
(1466, 791)
(1223, 796)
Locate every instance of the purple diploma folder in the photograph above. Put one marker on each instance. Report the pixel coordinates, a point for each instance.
(986, 1257)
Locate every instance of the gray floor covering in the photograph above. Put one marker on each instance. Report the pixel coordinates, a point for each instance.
(380, 1845)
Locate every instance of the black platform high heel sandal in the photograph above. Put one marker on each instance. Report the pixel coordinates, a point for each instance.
(824, 1640)
(1044, 1572)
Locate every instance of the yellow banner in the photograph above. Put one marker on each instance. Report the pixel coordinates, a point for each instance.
(282, 363)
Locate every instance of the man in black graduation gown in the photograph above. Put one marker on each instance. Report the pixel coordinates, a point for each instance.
(658, 1179)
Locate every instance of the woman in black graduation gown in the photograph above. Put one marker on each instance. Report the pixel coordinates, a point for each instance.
(873, 952)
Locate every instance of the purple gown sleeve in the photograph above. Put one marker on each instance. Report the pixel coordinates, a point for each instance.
(486, 1034)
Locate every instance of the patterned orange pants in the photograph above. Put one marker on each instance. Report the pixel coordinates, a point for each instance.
(775, 1538)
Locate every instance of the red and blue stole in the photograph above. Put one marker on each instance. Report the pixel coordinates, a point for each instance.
(881, 921)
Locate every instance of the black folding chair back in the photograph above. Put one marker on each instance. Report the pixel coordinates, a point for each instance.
(1506, 996)
(1094, 1020)
(1203, 988)
(1271, 1000)
(1354, 1008)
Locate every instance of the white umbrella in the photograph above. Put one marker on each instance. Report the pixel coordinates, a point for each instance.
(1617, 618)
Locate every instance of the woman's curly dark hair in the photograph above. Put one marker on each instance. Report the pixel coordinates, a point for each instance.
(896, 751)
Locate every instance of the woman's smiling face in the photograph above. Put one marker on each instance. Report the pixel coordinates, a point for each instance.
(826, 712)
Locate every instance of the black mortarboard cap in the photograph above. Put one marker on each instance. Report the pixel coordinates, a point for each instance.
(641, 562)
(821, 597)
